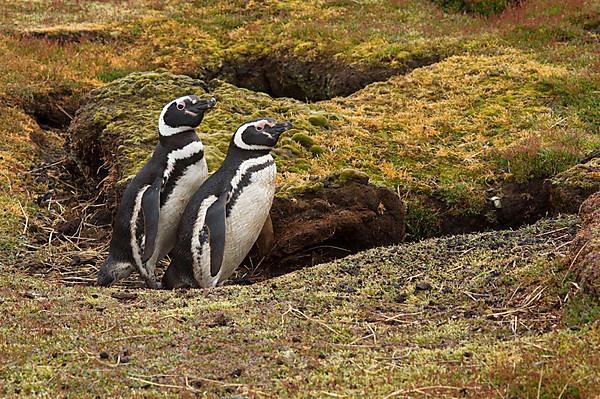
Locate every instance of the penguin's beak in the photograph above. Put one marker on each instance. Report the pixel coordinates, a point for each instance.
(203, 105)
(278, 128)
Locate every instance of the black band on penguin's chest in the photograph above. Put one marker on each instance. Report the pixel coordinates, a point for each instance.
(178, 169)
(244, 182)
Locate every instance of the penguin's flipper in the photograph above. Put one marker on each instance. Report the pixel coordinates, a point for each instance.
(151, 210)
(215, 222)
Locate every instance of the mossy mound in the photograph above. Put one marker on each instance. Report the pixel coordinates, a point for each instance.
(116, 128)
(460, 314)
(440, 135)
(571, 187)
(449, 131)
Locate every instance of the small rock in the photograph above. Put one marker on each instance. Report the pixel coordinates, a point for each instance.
(400, 298)
(296, 339)
(104, 355)
(125, 359)
(423, 286)
(220, 320)
(124, 296)
(237, 372)
(497, 202)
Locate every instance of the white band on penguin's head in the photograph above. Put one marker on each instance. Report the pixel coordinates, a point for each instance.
(166, 130)
(239, 142)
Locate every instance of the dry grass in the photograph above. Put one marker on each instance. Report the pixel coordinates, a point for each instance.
(490, 325)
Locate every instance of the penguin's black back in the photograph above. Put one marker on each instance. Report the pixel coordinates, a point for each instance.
(120, 246)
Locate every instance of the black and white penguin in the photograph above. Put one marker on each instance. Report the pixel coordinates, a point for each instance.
(146, 222)
(225, 216)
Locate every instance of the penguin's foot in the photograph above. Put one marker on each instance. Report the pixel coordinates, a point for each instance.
(149, 278)
(151, 282)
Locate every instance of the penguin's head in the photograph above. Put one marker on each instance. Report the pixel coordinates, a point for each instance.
(259, 134)
(183, 114)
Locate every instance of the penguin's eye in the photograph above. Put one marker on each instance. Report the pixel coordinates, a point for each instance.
(180, 106)
(259, 128)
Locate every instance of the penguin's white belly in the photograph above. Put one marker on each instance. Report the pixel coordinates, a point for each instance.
(170, 213)
(246, 219)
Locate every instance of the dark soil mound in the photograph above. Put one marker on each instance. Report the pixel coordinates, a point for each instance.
(584, 258)
(333, 222)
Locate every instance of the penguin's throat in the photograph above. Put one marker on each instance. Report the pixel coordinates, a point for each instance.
(235, 153)
(165, 130)
(178, 140)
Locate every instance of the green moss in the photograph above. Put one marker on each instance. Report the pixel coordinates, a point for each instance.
(421, 221)
(108, 75)
(294, 149)
(303, 139)
(318, 120)
(350, 174)
(581, 310)
(316, 149)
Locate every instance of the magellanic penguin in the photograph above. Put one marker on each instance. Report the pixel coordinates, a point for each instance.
(225, 216)
(146, 222)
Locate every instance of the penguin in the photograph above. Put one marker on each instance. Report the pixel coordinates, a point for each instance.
(225, 216)
(146, 222)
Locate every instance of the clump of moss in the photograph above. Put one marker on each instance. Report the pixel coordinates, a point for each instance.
(316, 149)
(318, 120)
(347, 174)
(304, 140)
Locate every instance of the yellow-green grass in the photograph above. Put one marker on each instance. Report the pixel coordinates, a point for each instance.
(17, 155)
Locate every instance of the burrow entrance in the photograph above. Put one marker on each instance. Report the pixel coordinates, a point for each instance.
(317, 80)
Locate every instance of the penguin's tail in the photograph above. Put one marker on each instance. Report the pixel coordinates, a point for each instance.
(113, 271)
